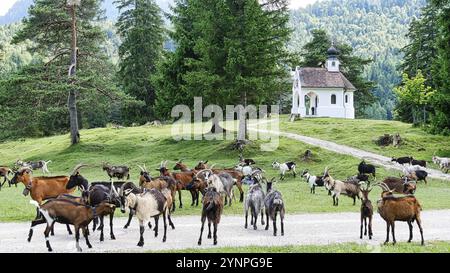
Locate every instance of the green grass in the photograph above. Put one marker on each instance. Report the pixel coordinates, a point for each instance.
(430, 247)
(361, 133)
(151, 145)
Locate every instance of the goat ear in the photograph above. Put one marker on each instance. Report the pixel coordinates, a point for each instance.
(206, 161)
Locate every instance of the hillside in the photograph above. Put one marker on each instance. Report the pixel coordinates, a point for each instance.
(375, 28)
(151, 145)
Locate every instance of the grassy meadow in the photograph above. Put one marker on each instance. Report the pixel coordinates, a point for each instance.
(151, 145)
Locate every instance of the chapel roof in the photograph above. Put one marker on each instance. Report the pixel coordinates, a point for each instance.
(317, 77)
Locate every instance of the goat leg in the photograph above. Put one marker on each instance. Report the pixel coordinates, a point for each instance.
(215, 233)
(46, 232)
(262, 217)
(68, 229)
(85, 234)
(111, 231)
(361, 228)
(130, 216)
(410, 231)
(33, 224)
(77, 238)
(275, 224)
(193, 195)
(94, 225)
(393, 232)
(282, 221)
(170, 221)
(165, 226)
(255, 213)
(201, 229)
(141, 230)
(241, 192)
(179, 197)
(209, 230)
(267, 220)
(370, 228)
(100, 227)
(156, 225)
(246, 217)
(365, 226)
(419, 223)
(387, 233)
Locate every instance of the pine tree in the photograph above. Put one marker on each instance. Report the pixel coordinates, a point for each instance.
(141, 27)
(49, 26)
(239, 52)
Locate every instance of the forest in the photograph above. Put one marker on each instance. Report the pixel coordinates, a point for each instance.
(137, 59)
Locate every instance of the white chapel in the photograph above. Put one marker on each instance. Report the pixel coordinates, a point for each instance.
(323, 92)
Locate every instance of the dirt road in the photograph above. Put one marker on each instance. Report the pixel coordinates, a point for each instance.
(317, 229)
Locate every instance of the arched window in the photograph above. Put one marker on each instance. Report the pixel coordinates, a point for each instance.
(346, 98)
(333, 99)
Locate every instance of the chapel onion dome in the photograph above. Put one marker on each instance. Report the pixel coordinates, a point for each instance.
(332, 51)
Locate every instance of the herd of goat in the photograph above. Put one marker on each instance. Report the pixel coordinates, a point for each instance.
(155, 196)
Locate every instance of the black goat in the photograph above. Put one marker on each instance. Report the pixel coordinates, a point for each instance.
(212, 209)
(365, 168)
(120, 172)
(274, 203)
(95, 194)
(421, 163)
(402, 160)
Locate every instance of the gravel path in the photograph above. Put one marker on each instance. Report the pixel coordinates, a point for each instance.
(304, 229)
(342, 149)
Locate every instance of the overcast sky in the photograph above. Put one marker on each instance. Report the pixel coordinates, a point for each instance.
(6, 4)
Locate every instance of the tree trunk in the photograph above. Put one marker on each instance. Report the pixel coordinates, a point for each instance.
(242, 133)
(72, 100)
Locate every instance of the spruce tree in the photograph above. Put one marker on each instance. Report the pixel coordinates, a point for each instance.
(141, 27)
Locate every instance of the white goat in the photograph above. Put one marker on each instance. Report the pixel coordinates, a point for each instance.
(147, 205)
(407, 170)
(443, 162)
(223, 182)
(285, 167)
(313, 181)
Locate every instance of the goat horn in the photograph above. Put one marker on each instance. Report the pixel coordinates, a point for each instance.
(145, 168)
(142, 169)
(212, 166)
(165, 163)
(78, 167)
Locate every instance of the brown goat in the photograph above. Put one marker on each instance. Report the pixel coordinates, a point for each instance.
(146, 181)
(400, 185)
(405, 209)
(212, 209)
(182, 180)
(68, 212)
(366, 213)
(41, 188)
(180, 166)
